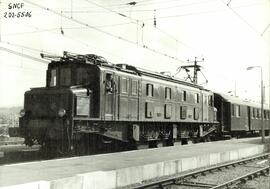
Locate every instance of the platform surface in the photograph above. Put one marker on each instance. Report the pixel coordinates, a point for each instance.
(62, 168)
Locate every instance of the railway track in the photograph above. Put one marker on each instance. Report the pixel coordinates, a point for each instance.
(11, 141)
(17, 153)
(219, 176)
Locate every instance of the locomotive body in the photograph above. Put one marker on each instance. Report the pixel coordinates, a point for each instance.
(89, 105)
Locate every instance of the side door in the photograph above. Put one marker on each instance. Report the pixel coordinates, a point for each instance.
(133, 101)
(128, 98)
(123, 97)
(205, 107)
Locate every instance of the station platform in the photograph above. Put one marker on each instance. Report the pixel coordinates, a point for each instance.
(125, 168)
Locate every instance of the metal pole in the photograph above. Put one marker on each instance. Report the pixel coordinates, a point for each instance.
(195, 71)
(262, 113)
(262, 97)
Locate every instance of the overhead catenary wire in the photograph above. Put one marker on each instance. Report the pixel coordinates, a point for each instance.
(197, 13)
(23, 55)
(136, 21)
(64, 28)
(24, 47)
(126, 6)
(265, 29)
(145, 3)
(241, 18)
(102, 31)
(65, 36)
(131, 2)
(143, 10)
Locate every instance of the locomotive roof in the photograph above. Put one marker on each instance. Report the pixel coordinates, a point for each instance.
(239, 101)
(99, 61)
(143, 72)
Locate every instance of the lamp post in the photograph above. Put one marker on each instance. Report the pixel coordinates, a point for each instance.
(262, 113)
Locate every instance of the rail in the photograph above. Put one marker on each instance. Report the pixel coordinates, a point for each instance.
(178, 179)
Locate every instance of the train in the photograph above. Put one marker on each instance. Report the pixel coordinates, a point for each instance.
(90, 105)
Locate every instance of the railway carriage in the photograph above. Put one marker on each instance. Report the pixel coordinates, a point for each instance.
(255, 118)
(238, 117)
(91, 105)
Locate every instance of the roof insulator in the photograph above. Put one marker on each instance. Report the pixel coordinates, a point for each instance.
(132, 3)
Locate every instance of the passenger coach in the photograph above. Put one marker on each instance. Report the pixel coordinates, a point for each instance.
(240, 118)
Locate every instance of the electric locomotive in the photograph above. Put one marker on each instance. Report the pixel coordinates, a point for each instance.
(90, 105)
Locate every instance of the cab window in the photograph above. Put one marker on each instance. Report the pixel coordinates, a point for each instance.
(109, 83)
(134, 87)
(149, 90)
(124, 85)
(168, 93)
(197, 98)
(184, 96)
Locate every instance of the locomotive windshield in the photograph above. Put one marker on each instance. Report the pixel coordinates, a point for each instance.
(82, 76)
(65, 76)
(53, 78)
(69, 75)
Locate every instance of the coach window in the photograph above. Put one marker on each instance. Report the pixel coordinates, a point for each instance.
(197, 97)
(168, 93)
(258, 113)
(210, 102)
(233, 110)
(184, 95)
(253, 113)
(53, 78)
(205, 99)
(149, 90)
(134, 87)
(65, 77)
(124, 85)
(237, 111)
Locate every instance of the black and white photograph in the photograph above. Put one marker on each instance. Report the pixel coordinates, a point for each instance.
(104, 94)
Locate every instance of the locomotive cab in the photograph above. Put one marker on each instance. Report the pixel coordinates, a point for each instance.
(49, 112)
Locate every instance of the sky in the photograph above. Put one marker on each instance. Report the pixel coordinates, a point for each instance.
(158, 35)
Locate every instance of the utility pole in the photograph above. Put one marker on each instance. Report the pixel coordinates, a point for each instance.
(195, 68)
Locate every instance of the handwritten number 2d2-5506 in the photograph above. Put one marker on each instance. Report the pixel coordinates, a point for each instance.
(15, 11)
(17, 14)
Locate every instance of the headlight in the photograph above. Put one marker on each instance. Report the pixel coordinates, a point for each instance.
(22, 112)
(61, 112)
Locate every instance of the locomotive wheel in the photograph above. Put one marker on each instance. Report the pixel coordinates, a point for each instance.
(29, 141)
(195, 140)
(184, 141)
(49, 150)
(207, 139)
